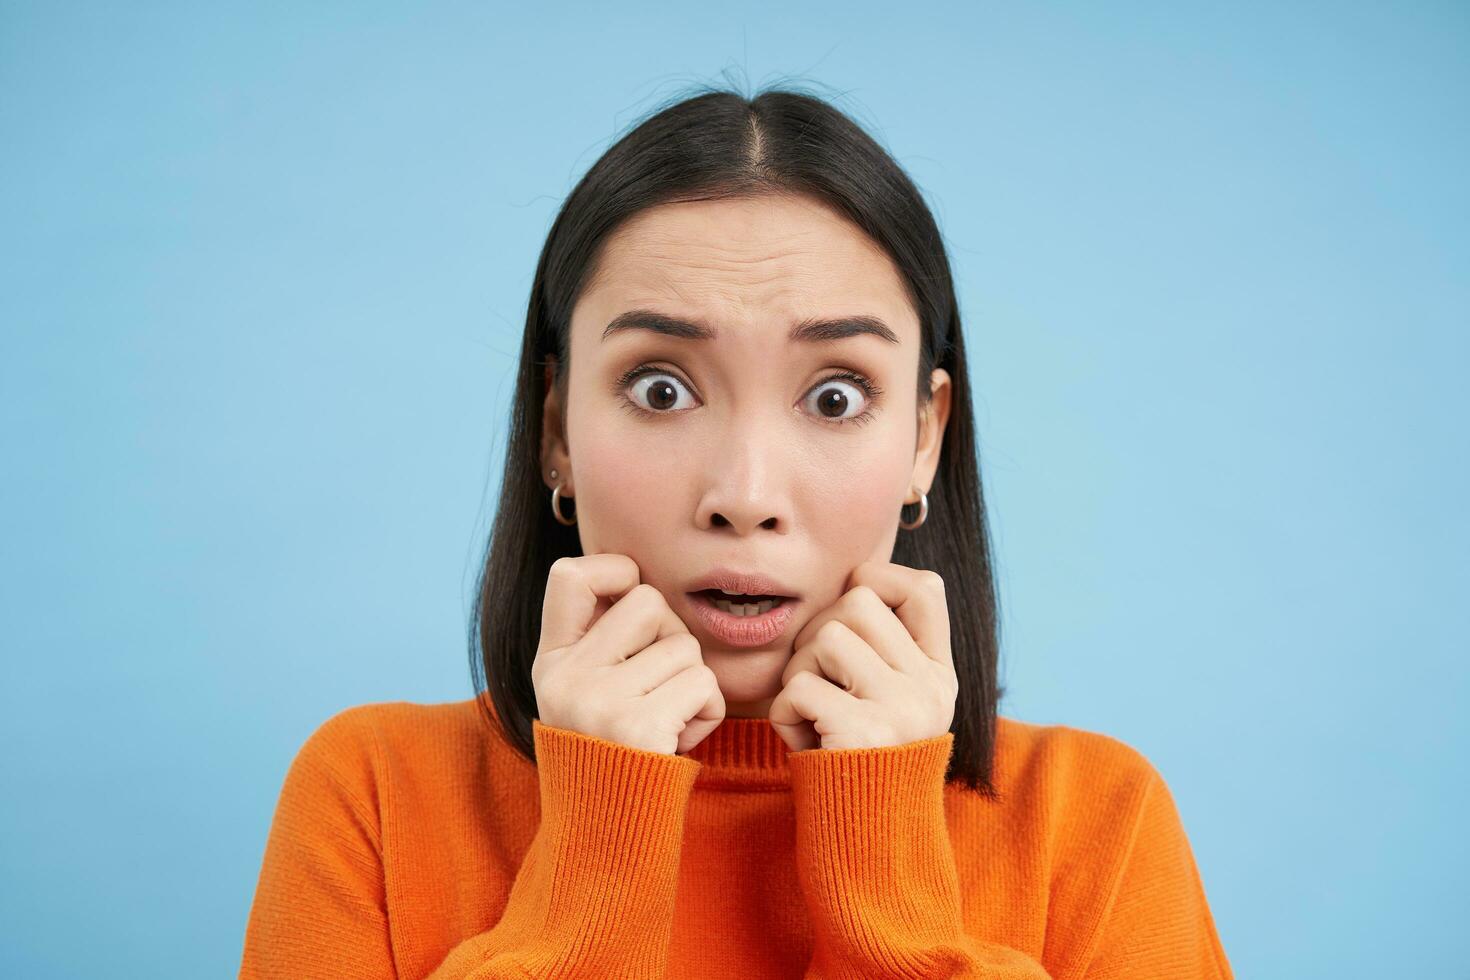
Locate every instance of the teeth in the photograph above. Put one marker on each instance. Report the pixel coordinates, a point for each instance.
(747, 609)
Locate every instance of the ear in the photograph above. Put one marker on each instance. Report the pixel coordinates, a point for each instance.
(554, 454)
(932, 422)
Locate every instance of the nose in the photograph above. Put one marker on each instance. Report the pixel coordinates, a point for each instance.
(745, 485)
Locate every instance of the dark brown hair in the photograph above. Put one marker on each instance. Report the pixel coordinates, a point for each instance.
(715, 144)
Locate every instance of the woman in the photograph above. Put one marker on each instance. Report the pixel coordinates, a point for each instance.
(738, 633)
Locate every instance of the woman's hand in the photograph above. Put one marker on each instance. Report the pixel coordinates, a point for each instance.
(616, 662)
(872, 669)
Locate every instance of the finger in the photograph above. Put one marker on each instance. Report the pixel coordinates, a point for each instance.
(692, 695)
(798, 734)
(848, 660)
(804, 657)
(634, 622)
(574, 587)
(870, 618)
(711, 715)
(809, 698)
(657, 662)
(917, 598)
(810, 655)
(863, 612)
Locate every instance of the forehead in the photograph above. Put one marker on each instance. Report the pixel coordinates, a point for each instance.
(761, 262)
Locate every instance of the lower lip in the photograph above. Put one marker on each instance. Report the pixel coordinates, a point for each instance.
(743, 631)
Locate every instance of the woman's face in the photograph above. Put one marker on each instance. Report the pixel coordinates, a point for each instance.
(737, 450)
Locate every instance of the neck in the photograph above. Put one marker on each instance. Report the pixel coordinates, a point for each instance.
(748, 709)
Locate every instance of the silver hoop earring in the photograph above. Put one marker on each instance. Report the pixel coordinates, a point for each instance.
(556, 506)
(923, 513)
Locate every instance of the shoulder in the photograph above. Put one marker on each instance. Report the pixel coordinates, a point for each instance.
(379, 731)
(1090, 781)
(1106, 827)
(1066, 754)
(359, 750)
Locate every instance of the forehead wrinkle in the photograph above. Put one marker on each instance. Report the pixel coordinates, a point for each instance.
(749, 268)
(769, 286)
(695, 258)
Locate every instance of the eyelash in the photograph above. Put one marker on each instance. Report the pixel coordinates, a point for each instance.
(871, 390)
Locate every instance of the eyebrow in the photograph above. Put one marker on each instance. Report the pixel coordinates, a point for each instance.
(811, 330)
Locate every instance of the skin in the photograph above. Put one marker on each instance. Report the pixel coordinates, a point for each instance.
(742, 435)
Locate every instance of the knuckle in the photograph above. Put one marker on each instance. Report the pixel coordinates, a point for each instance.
(564, 567)
(933, 580)
(830, 631)
(689, 649)
(676, 653)
(792, 666)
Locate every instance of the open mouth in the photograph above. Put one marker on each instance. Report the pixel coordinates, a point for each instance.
(743, 621)
(741, 605)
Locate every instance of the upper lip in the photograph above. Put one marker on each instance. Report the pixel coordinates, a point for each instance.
(745, 583)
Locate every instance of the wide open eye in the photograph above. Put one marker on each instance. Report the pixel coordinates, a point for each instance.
(839, 398)
(657, 391)
(843, 398)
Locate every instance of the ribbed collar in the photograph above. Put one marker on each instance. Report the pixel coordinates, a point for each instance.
(742, 753)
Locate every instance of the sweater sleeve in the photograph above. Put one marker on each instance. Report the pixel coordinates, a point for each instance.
(878, 873)
(877, 868)
(594, 894)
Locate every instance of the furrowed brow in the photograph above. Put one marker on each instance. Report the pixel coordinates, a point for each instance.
(811, 331)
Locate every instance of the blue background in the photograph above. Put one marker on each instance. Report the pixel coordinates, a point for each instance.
(263, 276)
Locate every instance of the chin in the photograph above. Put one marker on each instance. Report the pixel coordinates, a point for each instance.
(748, 675)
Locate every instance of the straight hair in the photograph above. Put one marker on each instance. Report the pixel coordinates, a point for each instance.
(722, 144)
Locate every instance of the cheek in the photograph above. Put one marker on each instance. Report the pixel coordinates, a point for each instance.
(850, 500)
(619, 471)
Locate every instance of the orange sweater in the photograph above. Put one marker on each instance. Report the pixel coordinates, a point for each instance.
(410, 841)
